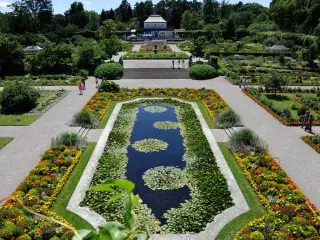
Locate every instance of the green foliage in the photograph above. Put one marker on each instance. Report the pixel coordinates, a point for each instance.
(198, 45)
(302, 110)
(152, 55)
(86, 57)
(83, 73)
(11, 56)
(275, 83)
(85, 119)
(111, 46)
(108, 29)
(246, 140)
(18, 97)
(108, 86)
(227, 119)
(166, 125)
(165, 178)
(155, 109)
(109, 71)
(202, 72)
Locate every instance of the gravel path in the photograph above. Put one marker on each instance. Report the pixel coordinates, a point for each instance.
(24, 152)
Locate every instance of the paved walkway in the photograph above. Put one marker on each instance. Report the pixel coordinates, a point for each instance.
(300, 161)
(24, 152)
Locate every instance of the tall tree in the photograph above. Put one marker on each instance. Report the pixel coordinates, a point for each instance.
(103, 16)
(112, 15)
(108, 29)
(93, 20)
(209, 11)
(129, 12)
(76, 15)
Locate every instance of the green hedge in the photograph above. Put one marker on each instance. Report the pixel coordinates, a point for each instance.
(152, 55)
(109, 71)
(202, 72)
(251, 53)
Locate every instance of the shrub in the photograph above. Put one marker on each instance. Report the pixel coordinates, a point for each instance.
(294, 106)
(318, 93)
(85, 119)
(302, 110)
(202, 72)
(109, 71)
(108, 86)
(227, 119)
(83, 73)
(246, 140)
(68, 139)
(18, 97)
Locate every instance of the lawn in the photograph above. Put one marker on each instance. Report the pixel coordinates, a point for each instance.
(63, 198)
(286, 100)
(4, 141)
(44, 95)
(18, 120)
(256, 209)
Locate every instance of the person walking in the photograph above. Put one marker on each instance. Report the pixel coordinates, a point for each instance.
(240, 82)
(97, 82)
(244, 82)
(182, 63)
(305, 118)
(309, 124)
(178, 63)
(80, 86)
(172, 63)
(83, 84)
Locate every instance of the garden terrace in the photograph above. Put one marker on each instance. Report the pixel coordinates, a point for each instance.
(132, 152)
(46, 100)
(286, 107)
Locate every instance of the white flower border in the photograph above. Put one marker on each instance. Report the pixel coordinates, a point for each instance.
(212, 229)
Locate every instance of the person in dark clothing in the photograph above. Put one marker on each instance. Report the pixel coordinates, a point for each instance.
(305, 119)
(309, 124)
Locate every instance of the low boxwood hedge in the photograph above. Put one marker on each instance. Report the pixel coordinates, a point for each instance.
(202, 72)
(109, 71)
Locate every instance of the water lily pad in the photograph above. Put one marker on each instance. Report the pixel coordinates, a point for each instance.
(165, 178)
(155, 109)
(150, 145)
(166, 125)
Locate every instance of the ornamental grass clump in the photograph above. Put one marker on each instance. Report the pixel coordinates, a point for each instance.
(246, 140)
(108, 86)
(227, 119)
(85, 119)
(69, 139)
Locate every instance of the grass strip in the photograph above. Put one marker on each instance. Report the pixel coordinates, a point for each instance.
(256, 209)
(63, 198)
(206, 115)
(106, 117)
(18, 120)
(4, 141)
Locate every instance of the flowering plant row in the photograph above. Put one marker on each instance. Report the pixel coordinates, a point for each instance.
(38, 192)
(290, 215)
(98, 104)
(312, 141)
(165, 48)
(279, 114)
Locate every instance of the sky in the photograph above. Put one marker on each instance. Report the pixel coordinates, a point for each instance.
(60, 6)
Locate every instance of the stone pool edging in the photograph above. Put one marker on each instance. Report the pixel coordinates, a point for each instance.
(212, 229)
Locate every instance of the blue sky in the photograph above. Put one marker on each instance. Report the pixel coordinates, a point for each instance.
(60, 6)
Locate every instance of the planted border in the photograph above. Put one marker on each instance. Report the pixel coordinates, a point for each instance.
(38, 192)
(209, 190)
(310, 141)
(290, 215)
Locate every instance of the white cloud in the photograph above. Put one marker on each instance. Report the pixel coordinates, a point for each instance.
(4, 4)
(87, 2)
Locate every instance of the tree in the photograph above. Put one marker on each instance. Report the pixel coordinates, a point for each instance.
(108, 29)
(111, 46)
(4, 23)
(230, 30)
(103, 16)
(129, 12)
(11, 56)
(198, 46)
(112, 16)
(275, 83)
(190, 21)
(76, 15)
(208, 12)
(84, 56)
(93, 20)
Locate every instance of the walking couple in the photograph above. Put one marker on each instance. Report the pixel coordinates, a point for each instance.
(307, 121)
(182, 61)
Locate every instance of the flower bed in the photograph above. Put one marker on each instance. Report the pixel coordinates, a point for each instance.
(165, 48)
(290, 214)
(201, 170)
(37, 192)
(152, 55)
(279, 114)
(313, 103)
(99, 103)
(312, 141)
